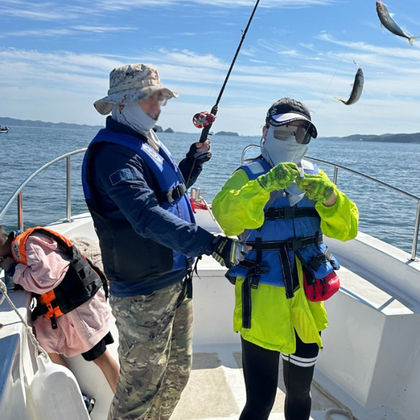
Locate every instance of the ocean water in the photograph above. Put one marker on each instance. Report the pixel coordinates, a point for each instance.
(383, 213)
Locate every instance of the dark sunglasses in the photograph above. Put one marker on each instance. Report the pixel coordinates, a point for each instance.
(300, 133)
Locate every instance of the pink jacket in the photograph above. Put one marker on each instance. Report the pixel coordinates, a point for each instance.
(79, 330)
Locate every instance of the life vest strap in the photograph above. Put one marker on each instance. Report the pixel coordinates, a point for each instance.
(257, 268)
(289, 213)
(175, 193)
(291, 244)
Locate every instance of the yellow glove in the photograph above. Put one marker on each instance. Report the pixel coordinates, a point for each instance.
(279, 177)
(317, 187)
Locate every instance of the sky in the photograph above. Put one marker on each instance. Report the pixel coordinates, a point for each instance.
(56, 56)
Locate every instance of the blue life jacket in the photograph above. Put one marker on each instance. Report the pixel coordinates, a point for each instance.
(128, 256)
(287, 231)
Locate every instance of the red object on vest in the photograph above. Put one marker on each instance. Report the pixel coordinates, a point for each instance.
(321, 289)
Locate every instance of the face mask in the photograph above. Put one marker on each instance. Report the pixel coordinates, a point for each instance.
(134, 117)
(275, 151)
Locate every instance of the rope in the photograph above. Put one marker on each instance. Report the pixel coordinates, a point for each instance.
(343, 410)
(40, 350)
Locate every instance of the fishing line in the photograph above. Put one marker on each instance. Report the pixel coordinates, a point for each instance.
(214, 109)
(206, 129)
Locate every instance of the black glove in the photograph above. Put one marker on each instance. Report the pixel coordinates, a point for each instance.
(228, 252)
(199, 155)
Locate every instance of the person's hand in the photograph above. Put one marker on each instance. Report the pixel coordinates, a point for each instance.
(6, 262)
(201, 152)
(279, 177)
(317, 187)
(228, 252)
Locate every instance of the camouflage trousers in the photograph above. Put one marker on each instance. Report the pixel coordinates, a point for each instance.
(155, 353)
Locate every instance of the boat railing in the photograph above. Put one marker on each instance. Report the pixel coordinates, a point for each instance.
(18, 194)
(336, 167)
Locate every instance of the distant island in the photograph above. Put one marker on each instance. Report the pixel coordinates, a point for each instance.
(159, 129)
(383, 138)
(37, 123)
(413, 138)
(226, 133)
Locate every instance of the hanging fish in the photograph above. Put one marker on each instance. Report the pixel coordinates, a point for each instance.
(357, 88)
(386, 19)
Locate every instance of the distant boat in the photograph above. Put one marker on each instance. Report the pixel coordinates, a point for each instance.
(4, 129)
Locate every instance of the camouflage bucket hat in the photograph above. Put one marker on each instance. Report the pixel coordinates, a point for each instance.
(129, 84)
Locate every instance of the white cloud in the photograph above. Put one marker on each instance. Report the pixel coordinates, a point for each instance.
(60, 11)
(34, 82)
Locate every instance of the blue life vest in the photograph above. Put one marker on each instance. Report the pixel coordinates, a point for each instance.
(287, 231)
(127, 256)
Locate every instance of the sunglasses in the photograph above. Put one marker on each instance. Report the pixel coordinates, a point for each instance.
(301, 134)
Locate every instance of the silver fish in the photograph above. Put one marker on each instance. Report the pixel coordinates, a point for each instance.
(390, 24)
(357, 88)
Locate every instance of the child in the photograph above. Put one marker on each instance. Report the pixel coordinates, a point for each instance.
(72, 315)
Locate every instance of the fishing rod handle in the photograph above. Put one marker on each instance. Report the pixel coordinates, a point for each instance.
(205, 131)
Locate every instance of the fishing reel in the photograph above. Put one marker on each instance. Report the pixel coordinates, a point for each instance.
(203, 119)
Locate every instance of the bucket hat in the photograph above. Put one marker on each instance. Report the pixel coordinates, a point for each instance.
(287, 110)
(131, 83)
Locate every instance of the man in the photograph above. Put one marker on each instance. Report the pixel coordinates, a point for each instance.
(143, 217)
(281, 205)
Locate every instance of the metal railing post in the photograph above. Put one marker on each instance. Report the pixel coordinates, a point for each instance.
(20, 210)
(335, 175)
(68, 190)
(416, 233)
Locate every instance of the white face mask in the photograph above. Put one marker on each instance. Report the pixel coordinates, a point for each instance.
(134, 117)
(275, 151)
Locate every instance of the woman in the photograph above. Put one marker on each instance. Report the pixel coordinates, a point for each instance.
(281, 205)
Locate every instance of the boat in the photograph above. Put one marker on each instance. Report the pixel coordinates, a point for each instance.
(4, 129)
(369, 368)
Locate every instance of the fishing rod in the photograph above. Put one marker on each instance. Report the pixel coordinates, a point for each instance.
(206, 129)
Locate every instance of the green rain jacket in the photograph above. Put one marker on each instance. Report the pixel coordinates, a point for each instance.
(240, 206)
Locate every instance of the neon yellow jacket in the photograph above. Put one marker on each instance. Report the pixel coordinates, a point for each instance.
(240, 206)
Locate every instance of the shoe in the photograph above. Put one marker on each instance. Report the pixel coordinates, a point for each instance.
(89, 402)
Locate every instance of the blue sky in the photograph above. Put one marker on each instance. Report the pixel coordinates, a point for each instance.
(55, 58)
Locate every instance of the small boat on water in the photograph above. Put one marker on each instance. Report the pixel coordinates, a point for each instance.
(4, 129)
(369, 368)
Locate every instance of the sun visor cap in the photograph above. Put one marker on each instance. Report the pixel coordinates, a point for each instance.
(287, 110)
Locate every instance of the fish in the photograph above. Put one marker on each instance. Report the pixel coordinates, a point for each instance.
(357, 88)
(390, 24)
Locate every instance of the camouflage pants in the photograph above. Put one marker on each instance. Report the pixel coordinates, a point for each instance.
(155, 352)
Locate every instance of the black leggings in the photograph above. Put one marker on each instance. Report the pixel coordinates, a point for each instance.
(261, 368)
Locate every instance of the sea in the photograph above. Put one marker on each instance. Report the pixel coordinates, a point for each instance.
(384, 213)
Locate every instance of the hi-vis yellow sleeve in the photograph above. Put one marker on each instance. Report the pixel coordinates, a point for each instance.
(240, 204)
(341, 220)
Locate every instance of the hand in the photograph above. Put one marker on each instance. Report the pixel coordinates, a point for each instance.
(317, 187)
(279, 177)
(228, 252)
(201, 152)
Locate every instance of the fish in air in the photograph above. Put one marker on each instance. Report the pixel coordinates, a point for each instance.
(386, 19)
(356, 90)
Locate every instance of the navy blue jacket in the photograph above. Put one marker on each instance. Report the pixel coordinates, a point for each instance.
(126, 190)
